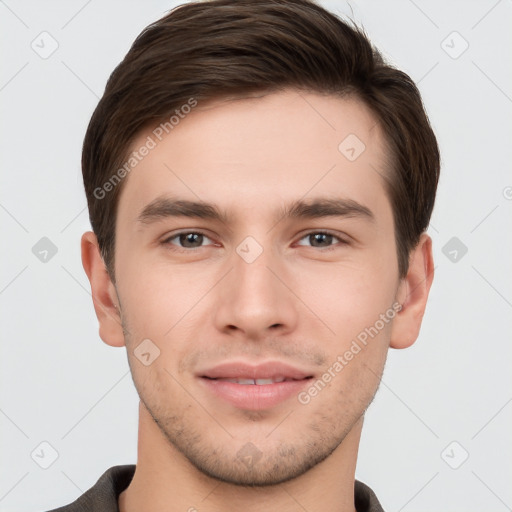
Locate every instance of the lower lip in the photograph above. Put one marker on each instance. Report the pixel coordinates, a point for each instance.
(255, 397)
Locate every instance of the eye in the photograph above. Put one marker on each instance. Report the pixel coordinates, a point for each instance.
(321, 239)
(187, 240)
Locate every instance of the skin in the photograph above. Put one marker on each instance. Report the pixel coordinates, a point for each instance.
(301, 301)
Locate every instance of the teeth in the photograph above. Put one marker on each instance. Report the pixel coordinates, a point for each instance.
(245, 381)
(260, 382)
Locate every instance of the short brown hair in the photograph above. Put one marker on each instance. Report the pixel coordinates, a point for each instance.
(211, 49)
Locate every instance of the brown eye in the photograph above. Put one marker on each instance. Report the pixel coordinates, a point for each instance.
(187, 240)
(191, 239)
(321, 239)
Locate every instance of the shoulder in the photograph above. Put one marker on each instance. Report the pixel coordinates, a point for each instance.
(365, 499)
(103, 495)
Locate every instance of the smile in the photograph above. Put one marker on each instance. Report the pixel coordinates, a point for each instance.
(258, 382)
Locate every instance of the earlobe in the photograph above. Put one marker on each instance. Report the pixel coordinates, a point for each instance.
(103, 292)
(413, 294)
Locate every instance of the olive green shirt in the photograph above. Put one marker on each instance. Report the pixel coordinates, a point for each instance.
(103, 496)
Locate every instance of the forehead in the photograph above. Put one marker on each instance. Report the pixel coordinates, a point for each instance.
(252, 153)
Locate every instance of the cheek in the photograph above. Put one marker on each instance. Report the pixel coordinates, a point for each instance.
(348, 297)
(156, 297)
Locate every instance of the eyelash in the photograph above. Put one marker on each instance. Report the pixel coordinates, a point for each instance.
(167, 241)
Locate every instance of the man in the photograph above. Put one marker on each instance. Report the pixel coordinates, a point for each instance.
(259, 183)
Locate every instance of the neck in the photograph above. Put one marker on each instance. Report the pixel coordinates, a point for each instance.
(165, 480)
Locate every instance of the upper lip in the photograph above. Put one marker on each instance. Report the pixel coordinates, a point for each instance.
(242, 370)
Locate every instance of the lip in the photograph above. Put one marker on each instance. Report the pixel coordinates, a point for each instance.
(242, 370)
(254, 397)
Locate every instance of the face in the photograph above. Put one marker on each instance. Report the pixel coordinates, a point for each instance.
(269, 310)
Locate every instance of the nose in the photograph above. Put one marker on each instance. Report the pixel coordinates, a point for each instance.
(255, 299)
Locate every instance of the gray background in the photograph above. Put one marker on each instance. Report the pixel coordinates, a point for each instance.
(446, 397)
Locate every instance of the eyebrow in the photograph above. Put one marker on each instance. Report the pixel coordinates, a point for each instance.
(164, 207)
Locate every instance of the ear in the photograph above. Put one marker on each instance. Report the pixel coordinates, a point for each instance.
(412, 294)
(104, 295)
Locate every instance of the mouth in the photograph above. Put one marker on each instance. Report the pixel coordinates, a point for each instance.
(250, 387)
(256, 382)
